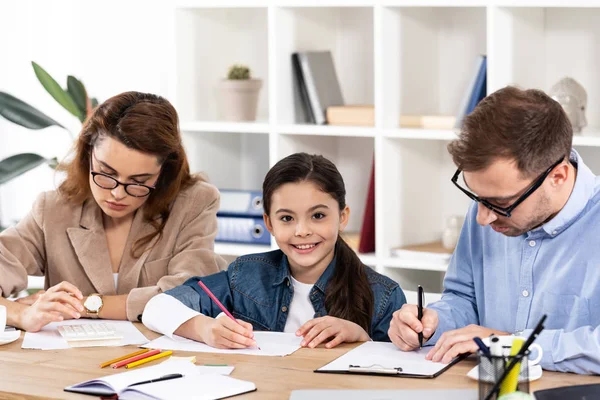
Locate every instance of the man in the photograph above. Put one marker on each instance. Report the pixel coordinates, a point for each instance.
(530, 242)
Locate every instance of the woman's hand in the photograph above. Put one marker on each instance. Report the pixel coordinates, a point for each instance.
(224, 333)
(62, 301)
(318, 330)
(29, 300)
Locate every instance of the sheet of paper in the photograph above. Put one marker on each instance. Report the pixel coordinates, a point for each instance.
(386, 355)
(270, 343)
(49, 338)
(203, 387)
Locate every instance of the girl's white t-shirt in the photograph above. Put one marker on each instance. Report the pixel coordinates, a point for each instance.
(301, 309)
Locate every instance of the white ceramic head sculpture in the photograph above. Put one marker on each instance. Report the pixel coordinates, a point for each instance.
(573, 98)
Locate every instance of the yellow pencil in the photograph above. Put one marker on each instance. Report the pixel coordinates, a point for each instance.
(145, 360)
(137, 353)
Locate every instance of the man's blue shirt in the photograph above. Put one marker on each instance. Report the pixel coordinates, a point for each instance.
(508, 283)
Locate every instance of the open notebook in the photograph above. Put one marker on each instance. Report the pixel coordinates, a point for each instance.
(198, 382)
(380, 358)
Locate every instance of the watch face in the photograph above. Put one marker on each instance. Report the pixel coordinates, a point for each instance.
(93, 303)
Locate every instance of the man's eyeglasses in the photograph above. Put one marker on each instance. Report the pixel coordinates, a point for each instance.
(108, 182)
(506, 211)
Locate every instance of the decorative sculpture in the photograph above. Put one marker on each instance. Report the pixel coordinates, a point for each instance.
(573, 98)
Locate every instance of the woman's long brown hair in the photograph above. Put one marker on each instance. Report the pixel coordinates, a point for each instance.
(142, 122)
(348, 294)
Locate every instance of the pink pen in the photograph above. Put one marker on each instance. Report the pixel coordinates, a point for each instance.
(218, 303)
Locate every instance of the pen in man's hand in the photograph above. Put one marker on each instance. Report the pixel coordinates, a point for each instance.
(420, 300)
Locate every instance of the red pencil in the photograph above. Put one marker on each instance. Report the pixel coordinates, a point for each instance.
(136, 358)
(218, 303)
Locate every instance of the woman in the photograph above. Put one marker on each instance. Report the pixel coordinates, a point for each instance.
(128, 222)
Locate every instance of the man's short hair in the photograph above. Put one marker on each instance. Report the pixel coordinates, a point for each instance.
(524, 125)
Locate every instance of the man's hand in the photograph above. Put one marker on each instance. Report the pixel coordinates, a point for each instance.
(318, 330)
(405, 327)
(459, 341)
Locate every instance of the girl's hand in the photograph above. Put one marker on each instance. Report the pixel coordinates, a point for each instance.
(224, 333)
(62, 301)
(318, 330)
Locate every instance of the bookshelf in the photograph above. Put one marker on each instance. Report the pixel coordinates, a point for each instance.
(403, 56)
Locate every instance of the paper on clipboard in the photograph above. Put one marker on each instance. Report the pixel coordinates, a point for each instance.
(375, 358)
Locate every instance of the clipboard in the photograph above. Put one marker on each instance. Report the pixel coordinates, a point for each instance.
(385, 359)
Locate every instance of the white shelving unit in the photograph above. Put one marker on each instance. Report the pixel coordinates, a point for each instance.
(403, 56)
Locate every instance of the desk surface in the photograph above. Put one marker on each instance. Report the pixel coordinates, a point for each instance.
(42, 374)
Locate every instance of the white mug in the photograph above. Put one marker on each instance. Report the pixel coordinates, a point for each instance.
(506, 343)
(2, 319)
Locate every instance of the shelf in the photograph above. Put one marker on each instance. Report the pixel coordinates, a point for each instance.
(218, 126)
(240, 249)
(368, 259)
(325, 130)
(407, 263)
(415, 133)
(587, 138)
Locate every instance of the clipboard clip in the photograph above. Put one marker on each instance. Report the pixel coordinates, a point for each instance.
(375, 368)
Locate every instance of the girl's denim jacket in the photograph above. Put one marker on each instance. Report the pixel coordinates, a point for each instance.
(257, 288)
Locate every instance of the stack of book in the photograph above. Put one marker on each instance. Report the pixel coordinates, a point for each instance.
(364, 115)
(240, 218)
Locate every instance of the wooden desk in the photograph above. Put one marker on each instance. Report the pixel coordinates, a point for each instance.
(38, 374)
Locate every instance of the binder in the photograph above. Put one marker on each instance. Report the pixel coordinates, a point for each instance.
(250, 230)
(475, 91)
(243, 203)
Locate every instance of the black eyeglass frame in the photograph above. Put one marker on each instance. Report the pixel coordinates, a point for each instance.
(507, 211)
(117, 183)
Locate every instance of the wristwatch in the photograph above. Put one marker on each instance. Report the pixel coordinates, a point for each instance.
(93, 304)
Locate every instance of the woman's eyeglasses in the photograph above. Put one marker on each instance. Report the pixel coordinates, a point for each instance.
(108, 182)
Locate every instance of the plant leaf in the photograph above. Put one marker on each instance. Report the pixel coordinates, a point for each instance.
(63, 98)
(23, 114)
(77, 91)
(17, 165)
(94, 102)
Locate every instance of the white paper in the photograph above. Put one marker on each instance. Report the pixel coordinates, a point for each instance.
(50, 339)
(386, 355)
(203, 387)
(270, 343)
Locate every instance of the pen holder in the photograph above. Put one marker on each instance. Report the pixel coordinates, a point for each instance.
(491, 369)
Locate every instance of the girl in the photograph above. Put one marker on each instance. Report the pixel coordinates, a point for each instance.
(315, 285)
(128, 222)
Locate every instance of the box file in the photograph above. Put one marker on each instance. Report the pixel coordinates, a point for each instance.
(242, 230)
(241, 203)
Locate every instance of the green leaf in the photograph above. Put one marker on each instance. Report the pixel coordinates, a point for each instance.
(94, 102)
(23, 114)
(63, 98)
(17, 165)
(77, 91)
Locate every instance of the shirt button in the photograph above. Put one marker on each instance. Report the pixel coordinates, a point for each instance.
(283, 309)
(532, 243)
(288, 283)
(554, 233)
(525, 293)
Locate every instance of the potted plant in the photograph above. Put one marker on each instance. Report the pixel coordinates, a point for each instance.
(239, 94)
(74, 99)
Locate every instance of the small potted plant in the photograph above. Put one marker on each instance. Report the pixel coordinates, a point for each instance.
(239, 94)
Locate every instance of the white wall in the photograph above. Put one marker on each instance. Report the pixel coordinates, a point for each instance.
(112, 46)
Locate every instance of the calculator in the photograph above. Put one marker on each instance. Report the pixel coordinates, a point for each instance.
(90, 332)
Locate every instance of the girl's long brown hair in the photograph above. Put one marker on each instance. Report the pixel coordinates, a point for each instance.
(142, 122)
(348, 294)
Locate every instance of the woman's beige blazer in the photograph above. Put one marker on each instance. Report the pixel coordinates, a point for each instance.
(67, 242)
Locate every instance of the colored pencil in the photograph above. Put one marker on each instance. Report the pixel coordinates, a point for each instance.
(136, 358)
(148, 359)
(116, 360)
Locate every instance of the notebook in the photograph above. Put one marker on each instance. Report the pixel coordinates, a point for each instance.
(382, 358)
(458, 394)
(579, 392)
(214, 386)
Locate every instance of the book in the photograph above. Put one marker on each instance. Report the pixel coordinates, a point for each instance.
(129, 385)
(475, 91)
(364, 115)
(320, 86)
(367, 230)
